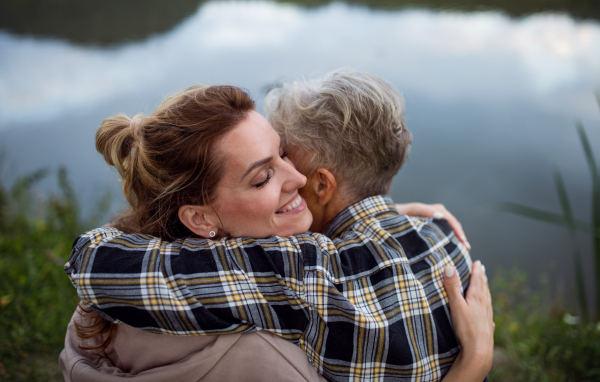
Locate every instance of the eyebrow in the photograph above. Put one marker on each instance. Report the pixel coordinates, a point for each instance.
(256, 164)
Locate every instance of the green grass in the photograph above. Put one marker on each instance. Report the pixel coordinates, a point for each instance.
(37, 299)
(536, 338)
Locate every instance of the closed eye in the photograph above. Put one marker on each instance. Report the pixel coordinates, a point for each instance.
(269, 174)
(264, 182)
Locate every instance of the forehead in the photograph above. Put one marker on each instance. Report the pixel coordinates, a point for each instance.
(251, 140)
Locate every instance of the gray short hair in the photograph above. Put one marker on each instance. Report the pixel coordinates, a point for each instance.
(347, 121)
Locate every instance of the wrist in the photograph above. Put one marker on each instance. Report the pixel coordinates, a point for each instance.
(476, 363)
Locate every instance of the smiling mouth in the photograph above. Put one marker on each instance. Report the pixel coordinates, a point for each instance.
(290, 206)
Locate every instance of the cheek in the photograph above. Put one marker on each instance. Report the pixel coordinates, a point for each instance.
(267, 202)
(311, 202)
(304, 193)
(252, 206)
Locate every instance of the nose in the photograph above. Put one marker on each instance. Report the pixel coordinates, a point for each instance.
(293, 179)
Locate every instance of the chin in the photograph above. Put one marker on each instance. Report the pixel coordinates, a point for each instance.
(302, 225)
(307, 222)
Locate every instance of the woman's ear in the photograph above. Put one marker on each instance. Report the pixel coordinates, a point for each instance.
(197, 219)
(323, 185)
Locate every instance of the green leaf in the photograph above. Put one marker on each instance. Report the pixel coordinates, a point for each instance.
(548, 217)
(570, 222)
(589, 155)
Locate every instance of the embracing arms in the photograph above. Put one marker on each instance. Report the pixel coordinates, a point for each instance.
(332, 301)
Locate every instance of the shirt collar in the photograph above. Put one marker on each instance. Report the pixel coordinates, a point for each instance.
(367, 207)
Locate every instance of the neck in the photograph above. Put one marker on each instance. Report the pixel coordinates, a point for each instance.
(332, 209)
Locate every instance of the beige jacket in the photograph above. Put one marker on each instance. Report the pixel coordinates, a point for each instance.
(139, 356)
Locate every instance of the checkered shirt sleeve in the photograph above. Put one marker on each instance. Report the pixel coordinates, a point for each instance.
(368, 305)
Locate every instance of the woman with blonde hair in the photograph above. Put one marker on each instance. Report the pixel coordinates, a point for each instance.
(206, 165)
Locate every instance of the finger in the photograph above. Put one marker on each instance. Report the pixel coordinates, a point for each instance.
(478, 283)
(454, 224)
(441, 212)
(458, 229)
(479, 290)
(485, 289)
(476, 294)
(453, 285)
(488, 293)
(420, 209)
(414, 209)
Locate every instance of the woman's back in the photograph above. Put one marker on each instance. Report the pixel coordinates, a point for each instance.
(139, 356)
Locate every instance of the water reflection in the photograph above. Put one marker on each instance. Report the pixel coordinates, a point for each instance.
(440, 54)
(491, 100)
(108, 22)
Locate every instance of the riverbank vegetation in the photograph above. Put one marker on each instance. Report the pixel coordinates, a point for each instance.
(536, 338)
(573, 225)
(36, 298)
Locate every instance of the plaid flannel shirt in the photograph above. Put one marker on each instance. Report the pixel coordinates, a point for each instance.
(369, 304)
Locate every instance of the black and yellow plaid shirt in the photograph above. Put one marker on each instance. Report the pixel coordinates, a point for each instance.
(369, 304)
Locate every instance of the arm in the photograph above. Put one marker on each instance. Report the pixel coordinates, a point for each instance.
(473, 323)
(192, 286)
(330, 300)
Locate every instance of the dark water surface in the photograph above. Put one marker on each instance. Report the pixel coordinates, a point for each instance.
(492, 92)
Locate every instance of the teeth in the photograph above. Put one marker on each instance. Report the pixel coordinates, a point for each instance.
(291, 206)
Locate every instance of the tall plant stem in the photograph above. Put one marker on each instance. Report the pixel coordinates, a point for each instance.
(595, 207)
(572, 229)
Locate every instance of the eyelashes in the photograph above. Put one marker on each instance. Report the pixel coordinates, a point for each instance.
(264, 182)
(269, 174)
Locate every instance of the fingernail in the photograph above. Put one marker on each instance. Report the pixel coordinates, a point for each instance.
(469, 245)
(449, 271)
(482, 267)
(438, 215)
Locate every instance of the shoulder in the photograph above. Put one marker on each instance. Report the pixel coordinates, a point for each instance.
(105, 238)
(432, 226)
(444, 246)
(390, 229)
(105, 235)
(88, 241)
(107, 244)
(437, 235)
(94, 237)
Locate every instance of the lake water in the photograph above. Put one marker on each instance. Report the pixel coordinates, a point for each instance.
(491, 100)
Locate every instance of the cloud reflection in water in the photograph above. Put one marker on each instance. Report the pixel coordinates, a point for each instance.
(491, 100)
(437, 54)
